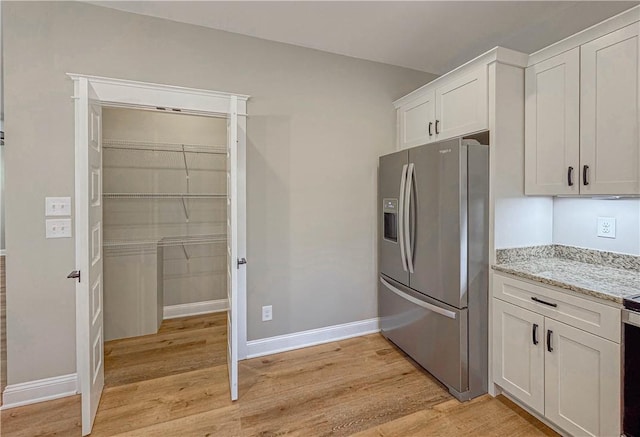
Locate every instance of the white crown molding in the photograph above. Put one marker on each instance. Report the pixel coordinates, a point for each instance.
(497, 54)
(298, 340)
(609, 25)
(26, 393)
(194, 309)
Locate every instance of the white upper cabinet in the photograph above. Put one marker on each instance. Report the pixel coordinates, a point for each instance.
(582, 112)
(449, 108)
(462, 105)
(610, 147)
(552, 125)
(417, 119)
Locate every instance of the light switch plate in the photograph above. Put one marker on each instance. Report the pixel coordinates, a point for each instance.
(607, 227)
(57, 206)
(58, 228)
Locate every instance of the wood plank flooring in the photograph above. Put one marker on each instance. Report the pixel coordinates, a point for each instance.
(175, 384)
(3, 326)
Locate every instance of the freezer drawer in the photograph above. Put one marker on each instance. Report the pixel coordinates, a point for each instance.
(430, 332)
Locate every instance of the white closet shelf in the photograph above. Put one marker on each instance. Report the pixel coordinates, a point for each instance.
(163, 196)
(145, 146)
(167, 241)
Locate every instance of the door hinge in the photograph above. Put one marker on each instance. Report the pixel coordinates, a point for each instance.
(74, 275)
(241, 261)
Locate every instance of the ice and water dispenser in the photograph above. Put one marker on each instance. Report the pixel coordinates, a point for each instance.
(390, 212)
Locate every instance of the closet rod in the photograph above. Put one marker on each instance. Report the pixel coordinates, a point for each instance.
(167, 242)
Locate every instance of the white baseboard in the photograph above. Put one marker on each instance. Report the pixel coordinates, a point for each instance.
(298, 340)
(194, 309)
(26, 393)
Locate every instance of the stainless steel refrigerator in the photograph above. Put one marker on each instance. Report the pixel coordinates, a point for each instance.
(433, 259)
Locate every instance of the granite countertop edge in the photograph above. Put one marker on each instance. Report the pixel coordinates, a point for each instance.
(586, 291)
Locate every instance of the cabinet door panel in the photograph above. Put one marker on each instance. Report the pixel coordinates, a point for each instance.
(518, 363)
(610, 144)
(552, 125)
(414, 121)
(582, 385)
(462, 105)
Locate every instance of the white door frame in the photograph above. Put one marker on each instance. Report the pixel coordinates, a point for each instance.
(142, 95)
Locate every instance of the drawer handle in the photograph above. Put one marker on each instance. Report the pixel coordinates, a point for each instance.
(535, 299)
(534, 333)
(549, 336)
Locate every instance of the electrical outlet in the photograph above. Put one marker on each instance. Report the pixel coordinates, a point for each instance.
(56, 206)
(607, 227)
(58, 228)
(267, 313)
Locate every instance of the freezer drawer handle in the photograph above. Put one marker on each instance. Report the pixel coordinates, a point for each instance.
(425, 305)
(535, 299)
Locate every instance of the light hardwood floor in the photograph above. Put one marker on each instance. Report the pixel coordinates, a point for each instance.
(175, 384)
(3, 326)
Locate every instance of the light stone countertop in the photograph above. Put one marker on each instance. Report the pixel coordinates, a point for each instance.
(603, 275)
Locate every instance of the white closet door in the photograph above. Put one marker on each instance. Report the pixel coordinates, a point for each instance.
(236, 263)
(88, 216)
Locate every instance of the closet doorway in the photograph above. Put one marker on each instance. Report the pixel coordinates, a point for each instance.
(151, 214)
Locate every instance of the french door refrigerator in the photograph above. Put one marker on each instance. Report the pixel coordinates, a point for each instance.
(433, 259)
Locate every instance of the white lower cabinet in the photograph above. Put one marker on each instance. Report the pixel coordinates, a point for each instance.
(518, 353)
(582, 381)
(568, 375)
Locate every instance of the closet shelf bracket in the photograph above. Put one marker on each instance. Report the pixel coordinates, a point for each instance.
(184, 207)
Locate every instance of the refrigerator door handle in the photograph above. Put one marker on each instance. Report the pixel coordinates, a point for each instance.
(403, 183)
(425, 305)
(406, 217)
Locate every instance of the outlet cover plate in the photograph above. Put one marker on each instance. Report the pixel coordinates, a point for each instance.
(267, 313)
(607, 227)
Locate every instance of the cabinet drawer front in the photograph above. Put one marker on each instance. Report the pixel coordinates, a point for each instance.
(599, 319)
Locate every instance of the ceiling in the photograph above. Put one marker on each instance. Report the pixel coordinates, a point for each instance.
(432, 36)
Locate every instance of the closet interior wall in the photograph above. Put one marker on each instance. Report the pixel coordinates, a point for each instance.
(164, 193)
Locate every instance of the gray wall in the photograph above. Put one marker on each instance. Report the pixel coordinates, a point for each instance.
(317, 124)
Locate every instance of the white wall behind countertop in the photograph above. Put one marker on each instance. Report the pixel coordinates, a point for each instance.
(575, 223)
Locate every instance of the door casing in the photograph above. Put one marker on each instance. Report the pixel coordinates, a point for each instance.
(149, 96)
